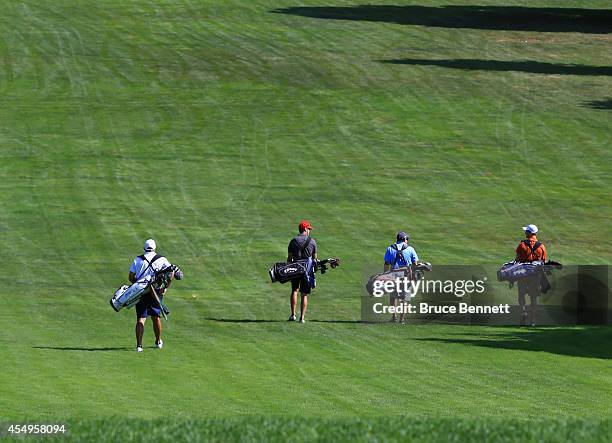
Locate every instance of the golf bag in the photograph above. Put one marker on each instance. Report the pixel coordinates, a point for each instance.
(283, 272)
(420, 270)
(128, 296)
(514, 271)
(411, 272)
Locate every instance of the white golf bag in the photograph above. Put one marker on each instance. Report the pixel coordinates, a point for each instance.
(127, 296)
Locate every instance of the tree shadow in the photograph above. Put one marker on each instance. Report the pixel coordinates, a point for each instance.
(338, 321)
(69, 348)
(605, 104)
(242, 320)
(592, 342)
(247, 320)
(509, 18)
(515, 66)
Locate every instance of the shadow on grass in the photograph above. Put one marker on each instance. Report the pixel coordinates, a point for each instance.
(242, 320)
(337, 321)
(247, 320)
(590, 342)
(515, 66)
(69, 348)
(601, 104)
(509, 18)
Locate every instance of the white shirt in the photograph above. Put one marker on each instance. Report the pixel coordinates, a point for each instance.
(139, 265)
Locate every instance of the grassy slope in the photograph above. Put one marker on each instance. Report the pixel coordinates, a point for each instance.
(183, 121)
(388, 429)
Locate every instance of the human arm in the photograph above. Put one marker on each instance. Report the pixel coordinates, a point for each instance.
(132, 274)
(544, 253)
(389, 259)
(290, 251)
(414, 258)
(519, 252)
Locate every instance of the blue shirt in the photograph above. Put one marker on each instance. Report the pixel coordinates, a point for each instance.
(410, 256)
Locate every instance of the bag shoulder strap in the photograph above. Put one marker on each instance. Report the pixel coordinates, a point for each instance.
(304, 247)
(533, 248)
(150, 263)
(399, 253)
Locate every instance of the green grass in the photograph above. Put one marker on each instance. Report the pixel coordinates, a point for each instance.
(214, 127)
(388, 429)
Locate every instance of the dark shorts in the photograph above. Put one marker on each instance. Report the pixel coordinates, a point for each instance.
(529, 286)
(301, 284)
(397, 296)
(147, 306)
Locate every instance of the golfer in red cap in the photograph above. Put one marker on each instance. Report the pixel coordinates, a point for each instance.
(300, 247)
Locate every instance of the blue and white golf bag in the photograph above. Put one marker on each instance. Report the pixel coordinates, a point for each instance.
(513, 271)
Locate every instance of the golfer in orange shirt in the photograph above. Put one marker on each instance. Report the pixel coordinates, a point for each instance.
(530, 250)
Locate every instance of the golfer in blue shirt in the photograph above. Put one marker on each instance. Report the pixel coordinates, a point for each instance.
(399, 254)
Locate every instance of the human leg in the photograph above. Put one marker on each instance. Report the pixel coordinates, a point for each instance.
(303, 306)
(140, 331)
(157, 328)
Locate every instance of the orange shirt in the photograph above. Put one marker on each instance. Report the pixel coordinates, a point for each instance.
(524, 254)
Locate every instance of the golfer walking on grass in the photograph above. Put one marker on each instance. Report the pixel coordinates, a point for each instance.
(397, 255)
(144, 265)
(530, 250)
(301, 247)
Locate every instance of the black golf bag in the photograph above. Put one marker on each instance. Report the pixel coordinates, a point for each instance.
(283, 272)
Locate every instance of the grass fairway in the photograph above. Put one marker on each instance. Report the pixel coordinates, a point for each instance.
(214, 127)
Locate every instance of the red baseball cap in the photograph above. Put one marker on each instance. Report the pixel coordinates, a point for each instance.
(305, 224)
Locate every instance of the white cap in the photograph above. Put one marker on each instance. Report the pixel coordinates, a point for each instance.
(529, 228)
(150, 245)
